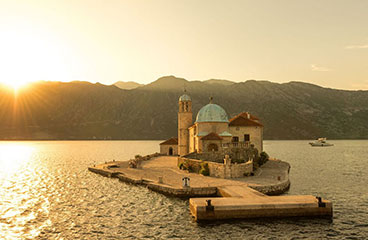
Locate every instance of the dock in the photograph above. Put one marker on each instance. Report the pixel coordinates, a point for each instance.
(215, 198)
(242, 202)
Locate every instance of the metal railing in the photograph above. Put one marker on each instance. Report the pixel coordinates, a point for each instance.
(236, 145)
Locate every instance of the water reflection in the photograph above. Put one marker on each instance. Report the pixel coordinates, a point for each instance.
(13, 155)
(46, 192)
(22, 203)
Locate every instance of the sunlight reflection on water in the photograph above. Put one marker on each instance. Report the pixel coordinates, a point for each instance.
(46, 192)
(13, 155)
(21, 201)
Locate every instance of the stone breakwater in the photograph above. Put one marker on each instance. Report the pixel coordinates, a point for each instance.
(279, 187)
(274, 189)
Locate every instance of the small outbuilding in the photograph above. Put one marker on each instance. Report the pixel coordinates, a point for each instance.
(169, 147)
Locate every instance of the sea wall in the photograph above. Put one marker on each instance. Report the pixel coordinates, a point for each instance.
(278, 188)
(273, 169)
(275, 189)
(103, 172)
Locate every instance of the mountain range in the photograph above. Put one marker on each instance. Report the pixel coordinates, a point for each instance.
(82, 110)
(127, 85)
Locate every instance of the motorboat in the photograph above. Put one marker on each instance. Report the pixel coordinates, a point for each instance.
(321, 142)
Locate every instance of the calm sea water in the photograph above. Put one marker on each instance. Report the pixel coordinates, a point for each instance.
(46, 192)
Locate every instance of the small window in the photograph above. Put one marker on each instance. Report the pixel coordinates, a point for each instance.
(246, 138)
(235, 139)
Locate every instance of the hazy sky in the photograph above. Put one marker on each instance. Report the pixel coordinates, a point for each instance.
(322, 42)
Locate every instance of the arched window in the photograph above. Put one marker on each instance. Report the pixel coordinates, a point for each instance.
(170, 151)
(212, 147)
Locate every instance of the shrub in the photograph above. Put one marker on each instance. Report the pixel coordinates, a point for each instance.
(187, 165)
(190, 168)
(205, 171)
(263, 158)
(182, 166)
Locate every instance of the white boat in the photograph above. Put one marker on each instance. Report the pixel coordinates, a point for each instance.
(321, 142)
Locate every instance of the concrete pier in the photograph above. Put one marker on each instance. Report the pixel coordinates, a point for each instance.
(216, 198)
(254, 205)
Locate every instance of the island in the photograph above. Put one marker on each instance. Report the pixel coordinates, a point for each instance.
(219, 164)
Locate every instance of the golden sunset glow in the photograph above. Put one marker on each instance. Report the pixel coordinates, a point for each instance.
(143, 40)
(13, 155)
(28, 55)
(16, 84)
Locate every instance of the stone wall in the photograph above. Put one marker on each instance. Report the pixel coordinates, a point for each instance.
(241, 170)
(219, 170)
(277, 188)
(237, 154)
(255, 133)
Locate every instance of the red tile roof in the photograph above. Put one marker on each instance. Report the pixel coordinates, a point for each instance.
(170, 141)
(242, 120)
(245, 115)
(211, 136)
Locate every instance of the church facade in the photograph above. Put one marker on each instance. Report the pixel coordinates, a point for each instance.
(212, 130)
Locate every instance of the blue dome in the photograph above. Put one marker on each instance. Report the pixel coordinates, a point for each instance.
(212, 113)
(184, 98)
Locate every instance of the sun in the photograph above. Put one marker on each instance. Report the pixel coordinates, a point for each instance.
(28, 54)
(16, 85)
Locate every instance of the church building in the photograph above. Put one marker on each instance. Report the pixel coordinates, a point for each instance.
(212, 130)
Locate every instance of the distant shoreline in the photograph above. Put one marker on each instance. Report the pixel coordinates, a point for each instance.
(140, 140)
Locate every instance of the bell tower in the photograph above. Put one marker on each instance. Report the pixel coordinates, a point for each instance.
(184, 122)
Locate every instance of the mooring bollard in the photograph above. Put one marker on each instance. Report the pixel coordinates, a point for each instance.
(209, 206)
(320, 203)
(160, 180)
(186, 182)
